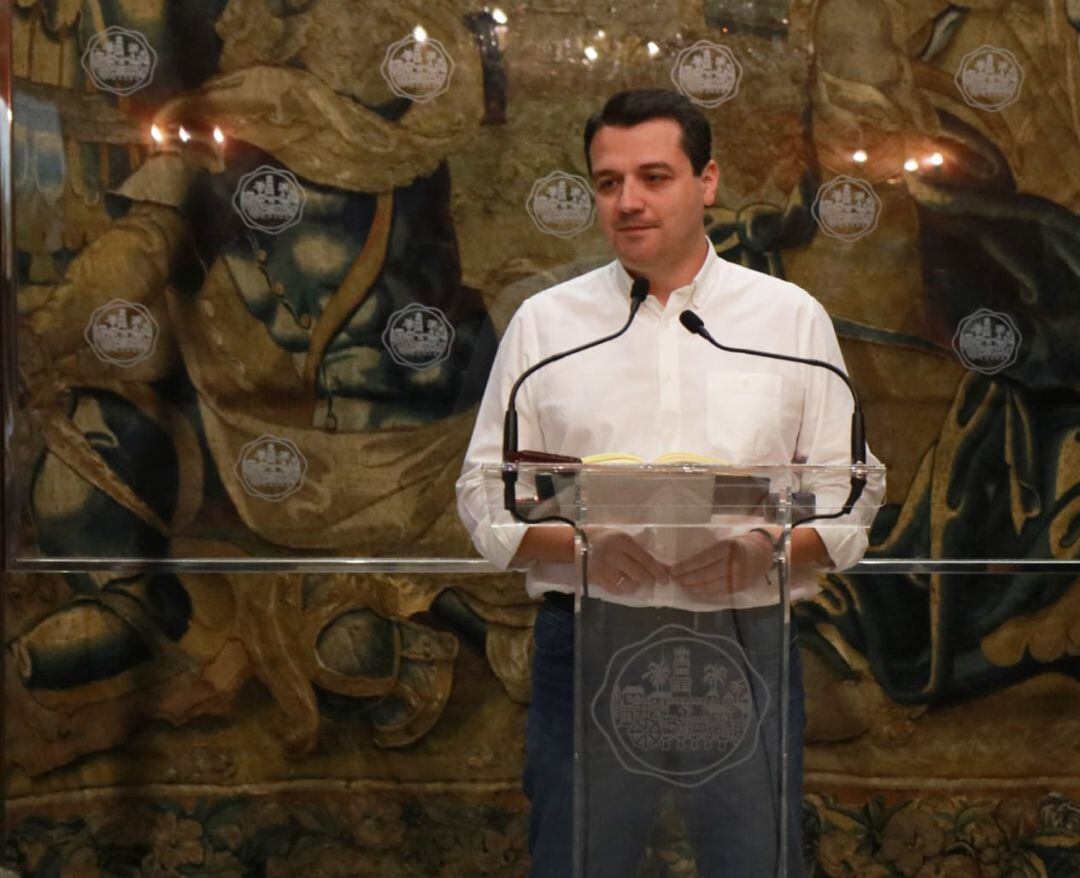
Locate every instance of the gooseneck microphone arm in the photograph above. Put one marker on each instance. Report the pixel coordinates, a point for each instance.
(639, 290)
(694, 324)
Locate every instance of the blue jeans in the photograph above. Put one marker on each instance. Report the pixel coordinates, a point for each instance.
(731, 822)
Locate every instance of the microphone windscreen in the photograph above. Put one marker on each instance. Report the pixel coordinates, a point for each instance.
(691, 321)
(639, 289)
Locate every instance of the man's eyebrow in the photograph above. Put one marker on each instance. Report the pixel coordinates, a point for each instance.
(648, 166)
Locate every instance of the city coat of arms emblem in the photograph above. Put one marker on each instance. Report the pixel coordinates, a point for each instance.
(269, 199)
(847, 208)
(707, 73)
(418, 337)
(271, 468)
(417, 69)
(681, 706)
(122, 333)
(987, 341)
(561, 204)
(989, 78)
(120, 61)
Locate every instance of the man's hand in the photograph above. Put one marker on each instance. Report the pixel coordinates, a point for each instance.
(619, 565)
(727, 566)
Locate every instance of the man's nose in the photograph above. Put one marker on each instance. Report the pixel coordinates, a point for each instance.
(630, 200)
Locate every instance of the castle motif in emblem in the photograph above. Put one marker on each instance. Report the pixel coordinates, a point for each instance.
(417, 69)
(989, 78)
(847, 208)
(561, 204)
(269, 199)
(987, 341)
(707, 73)
(120, 61)
(271, 468)
(122, 333)
(418, 337)
(681, 706)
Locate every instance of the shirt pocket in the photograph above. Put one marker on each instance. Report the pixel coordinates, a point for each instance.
(744, 416)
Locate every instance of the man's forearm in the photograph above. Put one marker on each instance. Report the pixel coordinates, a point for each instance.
(556, 543)
(808, 550)
(546, 543)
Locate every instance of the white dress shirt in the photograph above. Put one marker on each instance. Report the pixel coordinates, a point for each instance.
(659, 389)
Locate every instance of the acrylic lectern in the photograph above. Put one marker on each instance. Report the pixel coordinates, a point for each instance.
(682, 675)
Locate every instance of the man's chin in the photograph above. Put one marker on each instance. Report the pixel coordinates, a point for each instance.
(635, 261)
(636, 257)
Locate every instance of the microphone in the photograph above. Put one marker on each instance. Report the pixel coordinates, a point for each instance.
(695, 325)
(639, 290)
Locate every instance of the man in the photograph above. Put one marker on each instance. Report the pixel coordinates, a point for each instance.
(655, 390)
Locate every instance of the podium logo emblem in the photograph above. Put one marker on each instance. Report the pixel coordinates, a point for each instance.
(989, 78)
(418, 337)
(119, 61)
(271, 468)
(561, 204)
(847, 208)
(707, 73)
(419, 70)
(269, 199)
(987, 341)
(681, 706)
(122, 333)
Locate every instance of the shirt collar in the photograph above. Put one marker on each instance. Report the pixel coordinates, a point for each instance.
(698, 289)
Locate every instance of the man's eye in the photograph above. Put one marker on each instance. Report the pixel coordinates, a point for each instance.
(656, 178)
(605, 185)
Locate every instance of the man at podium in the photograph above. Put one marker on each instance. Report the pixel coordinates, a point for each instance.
(653, 391)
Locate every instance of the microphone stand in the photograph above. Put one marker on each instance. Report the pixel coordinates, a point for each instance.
(639, 290)
(510, 454)
(695, 325)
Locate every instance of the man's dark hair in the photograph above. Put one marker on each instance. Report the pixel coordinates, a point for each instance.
(637, 105)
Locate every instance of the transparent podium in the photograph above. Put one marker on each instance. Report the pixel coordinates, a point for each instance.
(683, 650)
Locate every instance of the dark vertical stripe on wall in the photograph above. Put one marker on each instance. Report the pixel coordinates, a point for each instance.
(7, 360)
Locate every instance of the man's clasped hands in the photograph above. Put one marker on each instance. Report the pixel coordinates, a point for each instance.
(620, 564)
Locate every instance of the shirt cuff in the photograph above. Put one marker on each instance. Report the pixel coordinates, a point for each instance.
(844, 543)
(500, 549)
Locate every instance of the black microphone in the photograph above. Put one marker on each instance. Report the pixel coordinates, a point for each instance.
(639, 290)
(696, 325)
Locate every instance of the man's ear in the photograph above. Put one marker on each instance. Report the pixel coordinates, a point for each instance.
(710, 179)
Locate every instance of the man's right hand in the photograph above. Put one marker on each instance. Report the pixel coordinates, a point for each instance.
(618, 563)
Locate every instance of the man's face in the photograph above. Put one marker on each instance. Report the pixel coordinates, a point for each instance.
(650, 204)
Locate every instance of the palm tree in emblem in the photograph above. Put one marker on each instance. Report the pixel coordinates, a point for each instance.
(658, 673)
(714, 676)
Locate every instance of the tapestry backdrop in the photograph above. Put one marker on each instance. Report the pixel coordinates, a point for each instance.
(263, 254)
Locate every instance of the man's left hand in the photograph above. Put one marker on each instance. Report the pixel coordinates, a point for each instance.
(727, 566)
